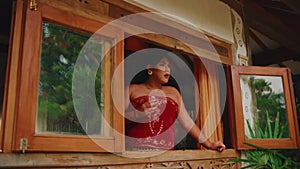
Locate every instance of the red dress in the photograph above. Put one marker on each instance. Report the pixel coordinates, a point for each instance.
(158, 131)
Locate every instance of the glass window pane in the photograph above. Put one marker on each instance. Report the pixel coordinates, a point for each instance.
(56, 114)
(264, 107)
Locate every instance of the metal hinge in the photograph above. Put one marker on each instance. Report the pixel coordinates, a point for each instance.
(23, 144)
(33, 5)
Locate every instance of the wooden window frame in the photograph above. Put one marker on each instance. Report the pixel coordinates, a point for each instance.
(162, 41)
(28, 87)
(50, 11)
(24, 123)
(236, 108)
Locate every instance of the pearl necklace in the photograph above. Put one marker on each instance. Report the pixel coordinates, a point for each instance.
(155, 120)
(152, 126)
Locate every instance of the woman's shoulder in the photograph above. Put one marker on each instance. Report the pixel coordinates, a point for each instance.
(171, 89)
(135, 86)
(172, 92)
(137, 90)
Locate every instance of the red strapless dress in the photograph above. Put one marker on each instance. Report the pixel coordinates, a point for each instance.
(158, 131)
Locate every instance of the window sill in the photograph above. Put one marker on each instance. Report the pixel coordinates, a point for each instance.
(200, 157)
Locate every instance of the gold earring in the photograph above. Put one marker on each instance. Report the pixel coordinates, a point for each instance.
(150, 72)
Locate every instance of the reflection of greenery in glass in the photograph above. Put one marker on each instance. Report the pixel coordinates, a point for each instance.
(270, 104)
(56, 114)
(269, 131)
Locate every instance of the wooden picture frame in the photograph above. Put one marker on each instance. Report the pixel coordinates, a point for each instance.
(251, 104)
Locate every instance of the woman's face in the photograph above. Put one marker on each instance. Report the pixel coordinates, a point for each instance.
(162, 71)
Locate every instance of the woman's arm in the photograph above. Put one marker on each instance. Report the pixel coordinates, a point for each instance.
(189, 125)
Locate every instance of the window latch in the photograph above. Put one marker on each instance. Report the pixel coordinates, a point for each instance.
(23, 144)
(33, 5)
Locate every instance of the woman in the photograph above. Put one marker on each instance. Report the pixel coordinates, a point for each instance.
(153, 109)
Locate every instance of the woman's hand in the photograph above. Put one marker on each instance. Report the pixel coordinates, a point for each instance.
(147, 111)
(218, 145)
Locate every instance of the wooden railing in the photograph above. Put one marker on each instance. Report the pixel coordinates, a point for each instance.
(179, 159)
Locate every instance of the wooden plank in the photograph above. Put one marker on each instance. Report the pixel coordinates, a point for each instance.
(257, 40)
(293, 4)
(27, 100)
(106, 67)
(125, 5)
(119, 123)
(84, 8)
(13, 66)
(291, 20)
(195, 50)
(105, 159)
(294, 107)
(266, 23)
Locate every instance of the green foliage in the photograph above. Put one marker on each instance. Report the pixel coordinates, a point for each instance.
(60, 48)
(272, 123)
(270, 130)
(263, 158)
(269, 101)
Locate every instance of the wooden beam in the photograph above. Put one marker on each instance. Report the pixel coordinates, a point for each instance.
(125, 5)
(270, 26)
(257, 40)
(264, 22)
(275, 5)
(293, 4)
(273, 56)
(291, 20)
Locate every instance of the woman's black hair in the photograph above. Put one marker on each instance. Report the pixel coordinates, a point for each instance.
(156, 56)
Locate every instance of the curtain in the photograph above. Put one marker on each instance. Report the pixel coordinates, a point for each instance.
(209, 115)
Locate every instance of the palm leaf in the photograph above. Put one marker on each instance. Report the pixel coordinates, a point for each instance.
(276, 127)
(269, 125)
(260, 133)
(250, 166)
(250, 129)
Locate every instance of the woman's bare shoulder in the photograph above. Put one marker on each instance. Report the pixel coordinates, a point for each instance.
(137, 90)
(173, 93)
(171, 89)
(135, 86)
